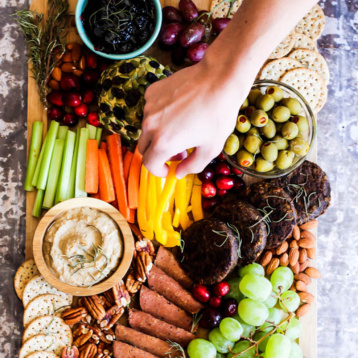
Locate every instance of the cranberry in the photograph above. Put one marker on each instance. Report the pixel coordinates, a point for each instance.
(236, 171)
(103, 67)
(222, 168)
(93, 119)
(239, 184)
(81, 110)
(54, 114)
(91, 61)
(211, 318)
(90, 77)
(88, 96)
(215, 301)
(208, 190)
(72, 99)
(201, 293)
(229, 307)
(209, 204)
(221, 288)
(207, 174)
(70, 120)
(70, 82)
(221, 157)
(224, 182)
(221, 192)
(55, 98)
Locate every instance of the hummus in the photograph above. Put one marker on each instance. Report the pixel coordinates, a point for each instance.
(83, 246)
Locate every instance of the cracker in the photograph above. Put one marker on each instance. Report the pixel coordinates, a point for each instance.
(38, 286)
(274, 70)
(285, 46)
(23, 275)
(310, 84)
(44, 305)
(312, 60)
(312, 24)
(304, 42)
(48, 325)
(42, 354)
(223, 9)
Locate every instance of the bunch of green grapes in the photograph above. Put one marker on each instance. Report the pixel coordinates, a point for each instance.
(264, 306)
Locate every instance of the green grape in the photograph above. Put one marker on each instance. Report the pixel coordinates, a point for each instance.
(263, 344)
(256, 287)
(278, 346)
(231, 329)
(281, 279)
(253, 312)
(201, 348)
(220, 355)
(275, 317)
(240, 347)
(221, 344)
(247, 329)
(270, 302)
(252, 268)
(296, 351)
(235, 290)
(293, 329)
(290, 301)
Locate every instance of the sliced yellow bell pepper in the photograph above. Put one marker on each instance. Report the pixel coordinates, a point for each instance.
(197, 209)
(173, 238)
(142, 205)
(151, 201)
(176, 218)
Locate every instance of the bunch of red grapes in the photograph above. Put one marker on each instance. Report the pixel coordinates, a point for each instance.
(188, 32)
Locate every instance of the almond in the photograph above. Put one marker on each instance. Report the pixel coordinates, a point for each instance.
(309, 225)
(54, 85)
(293, 257)
(76, 52)
(306, 243)
(284, 259)
(303, 277)
(311, 253)
(282, 248)
(313, 272)
(67, 67)
(295, 268)
(296, 232)
(266, 258)
(272, 266)
(303, 256)
(301, 286)
(70, 45)
(67, 57)
(308, 235)
(82, 63)
(302, 310)
(294, 244)
(304, 265)
(58, 56)
(306, 297)
(77, 73)
(56, 74)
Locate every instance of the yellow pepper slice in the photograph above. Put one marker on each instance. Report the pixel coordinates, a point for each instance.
(197, 209)
(151, 201)
(142, 205)
(173, 238)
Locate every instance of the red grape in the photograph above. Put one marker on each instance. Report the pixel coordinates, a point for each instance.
(72, 99)
(229, 307)
(209, 204)
(221, 192)
(188, 10)
(192, 34)
(170, 33)
(208, 190)
(172, 14)
(54, 113)
(224, 182)
(219, 24)
(196, 52)
(211, 318)
(207, 174)
(70, 120)
(222, 168)
(55, 98)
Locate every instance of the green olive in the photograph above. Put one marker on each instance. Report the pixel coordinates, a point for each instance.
(258, 118)
(269, 130)
(293, 105)
(252, 144)
(254, 131)
(243, 124)
(249, 110)
(302, 123)
(299, 146)
(231, 145)
(245, 104)
(280, 142)
(253, 95)
(265, 102)
(269, 151)
(289, 130)
(284, 159)
(244, 158)
(276, 92)
(281, 114)
(262, 165)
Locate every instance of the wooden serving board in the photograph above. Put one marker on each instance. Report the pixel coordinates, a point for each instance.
(36, 112)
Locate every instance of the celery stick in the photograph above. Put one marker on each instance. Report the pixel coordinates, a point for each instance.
(62, 188)
(91, 131)
(55, 167)
(46, 160)
(35, 145)
(36, 210)
(62, 131)
(35, 177)
(98, 135)
(81, 164)
(71, 182)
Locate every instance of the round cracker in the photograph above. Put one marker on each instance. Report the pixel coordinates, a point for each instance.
(23, 275)
(42, 306)
(42, 354)
(304, 42)
(48, 325)
(38, 286)
(223, 9)
(275, 69)
(312, 24)
(285, 46)
(309, 83)
(312, 60)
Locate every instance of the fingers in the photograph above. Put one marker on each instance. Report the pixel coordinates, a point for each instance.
(154, 161)
(143, 143)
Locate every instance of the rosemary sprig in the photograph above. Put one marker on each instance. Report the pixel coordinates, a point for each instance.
(196, 319)
(176, 347)
(44, 38)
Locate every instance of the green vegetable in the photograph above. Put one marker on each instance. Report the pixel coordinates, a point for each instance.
(99, 135)
(92, 130)
(80, 191)
(72, 179)
(62, 131)
(36, 210)
(35, 145)
(35, 177)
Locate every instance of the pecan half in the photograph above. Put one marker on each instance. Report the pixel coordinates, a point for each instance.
(70, 352)
(81, 329)
(83, 338)
(101, 347)
(120, 294)
(88, 351)
(143, 265)
(94, 306)
(132, 284)
(146, 246)
(111, 317)
(74, 315)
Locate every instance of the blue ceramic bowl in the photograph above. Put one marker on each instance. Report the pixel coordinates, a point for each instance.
(81, 5)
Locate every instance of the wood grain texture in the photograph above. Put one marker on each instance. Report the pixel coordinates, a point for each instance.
(308, 340)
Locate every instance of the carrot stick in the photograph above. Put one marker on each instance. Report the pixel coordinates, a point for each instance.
(127, 161)
(133, 180)
(91, 184)
(95, 196)
(132, 216)
(106, 188)
(116, 163)
(103, 146)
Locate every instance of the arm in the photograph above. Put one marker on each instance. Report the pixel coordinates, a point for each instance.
(197, 107)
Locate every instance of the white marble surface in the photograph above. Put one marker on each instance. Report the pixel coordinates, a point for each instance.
(337, 155)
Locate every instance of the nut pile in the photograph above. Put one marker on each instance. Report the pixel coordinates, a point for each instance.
(296, 253)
